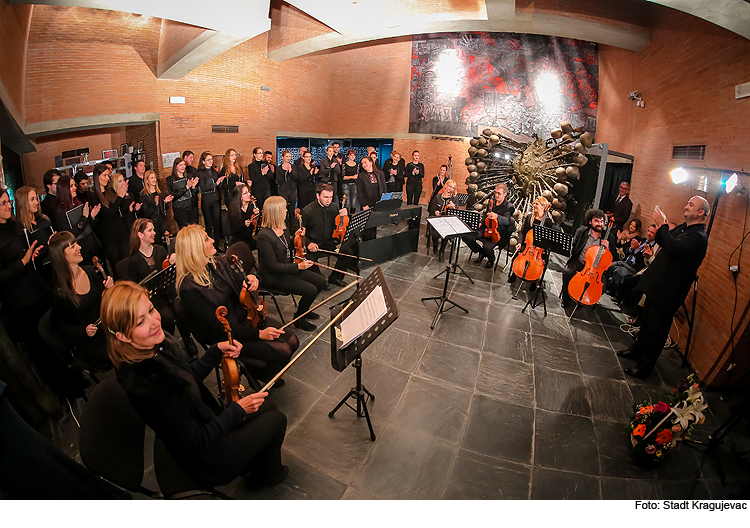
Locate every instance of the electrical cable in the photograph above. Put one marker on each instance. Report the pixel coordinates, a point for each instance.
(732, 329)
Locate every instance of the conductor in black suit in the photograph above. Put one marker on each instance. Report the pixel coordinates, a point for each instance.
(620, 206)
(666, 282)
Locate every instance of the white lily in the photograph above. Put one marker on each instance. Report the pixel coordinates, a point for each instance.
(686, 412)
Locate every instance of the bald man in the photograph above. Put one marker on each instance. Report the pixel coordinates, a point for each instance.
(666, 282)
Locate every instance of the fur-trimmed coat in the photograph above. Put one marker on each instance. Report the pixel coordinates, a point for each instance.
(167, 392)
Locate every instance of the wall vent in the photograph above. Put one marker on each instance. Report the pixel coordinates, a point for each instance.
(689, 152)
(227, 129)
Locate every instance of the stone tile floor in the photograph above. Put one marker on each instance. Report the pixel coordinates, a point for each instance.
(493, 404)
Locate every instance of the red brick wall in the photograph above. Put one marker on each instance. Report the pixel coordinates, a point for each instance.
(14, 26)
(290, 25)
(175, 36)
(686, 76)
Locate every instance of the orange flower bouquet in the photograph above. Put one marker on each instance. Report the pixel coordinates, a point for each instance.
(657, 428)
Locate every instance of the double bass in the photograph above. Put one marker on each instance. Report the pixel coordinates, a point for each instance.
(491, 232)
(255, 306)
(586, 286)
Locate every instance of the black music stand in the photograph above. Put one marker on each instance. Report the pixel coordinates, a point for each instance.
(341, 358)
(461, 199)
(162, 283)
(471, 219)
(357, 223)
(549, 240)
(450, 227)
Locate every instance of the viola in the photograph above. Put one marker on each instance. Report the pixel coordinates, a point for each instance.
(491, 232)
(529, 264)
(230, 380)
(586, 286)
(342, 222)
(255, 306)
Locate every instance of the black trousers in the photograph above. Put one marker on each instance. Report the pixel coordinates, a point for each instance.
(487, 247)
(570, 270)
(656, 322)
(212, 216)
(413, 194)
(186, 215)
(306, 283)
(259, 439)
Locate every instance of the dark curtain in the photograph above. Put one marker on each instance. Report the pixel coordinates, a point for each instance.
(614, 175)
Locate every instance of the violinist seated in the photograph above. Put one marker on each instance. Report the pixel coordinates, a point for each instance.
(76, 299)
(502, 211)
(623, 276)
(205, 282)
(536, 217)
(585, 236)
(147, 257)
(445, 199)
(211, 444)
(278, 269)
(243, 215)
(319, 221)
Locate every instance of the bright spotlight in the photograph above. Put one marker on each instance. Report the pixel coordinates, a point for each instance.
(450, 73)
(547, 87)
(731, 182)
(679, 175)
(507, 156)
(497, 154)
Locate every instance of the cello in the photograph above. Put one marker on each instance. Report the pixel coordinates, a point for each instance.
(586, 286)
(491, 232)
(230, 379)
(529, 264)
(255, 306)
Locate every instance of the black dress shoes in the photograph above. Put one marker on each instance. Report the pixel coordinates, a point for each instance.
(479, 259)
(312, 315)
(627, 354)
(489, 264)
(337, 282)
(441, 256)
(635, 372)
(511, 278)
(304, 324)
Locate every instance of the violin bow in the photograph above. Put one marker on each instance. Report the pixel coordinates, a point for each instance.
(321, 303)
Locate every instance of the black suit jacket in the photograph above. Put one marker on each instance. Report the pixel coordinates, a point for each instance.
(667, 280)
(620, 211)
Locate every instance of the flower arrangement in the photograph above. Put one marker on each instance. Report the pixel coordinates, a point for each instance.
(656, 429)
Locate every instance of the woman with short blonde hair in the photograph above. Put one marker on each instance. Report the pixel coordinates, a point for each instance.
(166, 390)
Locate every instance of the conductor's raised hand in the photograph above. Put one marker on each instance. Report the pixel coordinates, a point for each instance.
(270, 333)
(230, 350)
(252, 402)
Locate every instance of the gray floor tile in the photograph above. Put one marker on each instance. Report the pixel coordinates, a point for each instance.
(294, 399)
(561, 392)
(550, 484)
(618, 339)
(419, 291)
(630, 489)
(506, 379)
(615, 452)
(477, 307)
(508, 319)
(512, 344)
(477, 476)
(445, 362)
(555, 326)
(684, 489)
(398, 348)
(479, 290)
(599, 361)
(398, 287)
(499, 429)
(433, 409)
(314, 367)
(352, 493)
(459, 330)
(414, 319)
(565, 442)
(585, 333)
(402, 270)
(555, 354)
(610, 399)
(406, 465)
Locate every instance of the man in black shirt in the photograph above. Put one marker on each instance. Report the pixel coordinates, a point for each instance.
(188, 158)
(414, 173)
(301, 159)
(318, 219)
(49, 204)
(82, 188)
(619, 206)
(502, 211)
(330, 172)
(135, 182)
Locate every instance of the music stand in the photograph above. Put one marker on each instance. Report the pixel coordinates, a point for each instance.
(341, 358)
(546, 238)
(162, 282)
(461, 199)
(471, 219)
(449, 227)
(357, 223)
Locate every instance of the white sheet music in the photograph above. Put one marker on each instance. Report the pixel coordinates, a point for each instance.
(448, 226)
(363, 317)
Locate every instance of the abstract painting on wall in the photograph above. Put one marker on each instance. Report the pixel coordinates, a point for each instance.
(523, 83)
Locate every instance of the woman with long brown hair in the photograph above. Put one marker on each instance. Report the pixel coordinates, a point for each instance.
(212, 445)
(111, 229)
(242, 209)
(76, 299)
(259, 172)
(155, 206)
(184, 193)
(205, 282)
(209, 181)
(232, 172)
(83, 230)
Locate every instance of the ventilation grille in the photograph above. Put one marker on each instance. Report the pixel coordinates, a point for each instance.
(227, 129)
(689, 152)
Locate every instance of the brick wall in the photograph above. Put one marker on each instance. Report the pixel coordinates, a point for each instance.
(14, 26)
(147, 134)
(290, 25)
(174, 36)
(686, 76)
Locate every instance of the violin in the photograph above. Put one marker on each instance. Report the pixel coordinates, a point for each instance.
(299, 243)
(529, 264)
(586, 286)
(230, 379)
(98, 266)
(491, 232)
(342, 222)
(255, 306)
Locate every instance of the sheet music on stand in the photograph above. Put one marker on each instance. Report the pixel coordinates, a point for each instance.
(161, 282)
(397, 196)
(472, 218)
(357, 223)
(554, 240)
(462, 198)
(448, 226)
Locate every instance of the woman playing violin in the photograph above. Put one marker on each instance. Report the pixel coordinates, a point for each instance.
(212, 445)
(537, 216)
(243, 215)
(446, 198)
(277, 266)
(205, 282)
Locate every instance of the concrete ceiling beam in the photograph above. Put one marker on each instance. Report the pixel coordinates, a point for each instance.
(75, 124)
(733, 15)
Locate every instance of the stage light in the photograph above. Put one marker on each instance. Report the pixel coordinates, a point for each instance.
(497, 154)
(507, 156)
(450, 73)
(679, 175)
(731, 183)
(547, 88)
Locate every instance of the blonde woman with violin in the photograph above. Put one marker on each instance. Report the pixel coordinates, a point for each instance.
(445, 198)
(277, 267)
(539, 215)
(212, 445)
(205, 282)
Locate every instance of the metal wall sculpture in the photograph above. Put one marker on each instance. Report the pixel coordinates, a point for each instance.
(525, 84)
